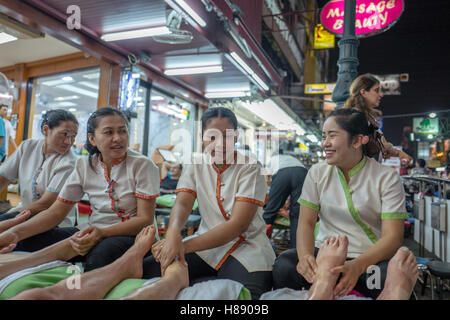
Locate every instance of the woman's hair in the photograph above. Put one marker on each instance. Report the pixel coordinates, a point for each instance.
(356, 100)
(353, 121)
(92, 124)
(218, 112)
(53, 118)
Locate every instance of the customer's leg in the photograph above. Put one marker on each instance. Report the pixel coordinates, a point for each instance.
(59, 251)
(96, 284)
(107, 251)
(401, 277)
(167, 288)
(285, 274)
(256, 282)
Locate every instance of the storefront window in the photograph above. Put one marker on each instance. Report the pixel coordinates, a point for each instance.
(171, 123)
(137, 123)
(75, 91)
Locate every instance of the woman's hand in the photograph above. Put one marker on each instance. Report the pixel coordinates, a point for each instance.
(82, 242)
(307, 267)
(8, 241)
(351, 271)
(172, 248)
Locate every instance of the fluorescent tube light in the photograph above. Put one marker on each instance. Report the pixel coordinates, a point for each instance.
(66, 98)
(236, 59)
(72, 109)
(227, 94)
(89, 84)
(312, 138)
(132, 34)
(84, 92)
(190, 11)
(67, 78)
(193, 70)
(6, 37)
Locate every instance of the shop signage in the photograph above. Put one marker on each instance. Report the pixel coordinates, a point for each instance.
(425, 126)
(390, 84)
(319, 88)
(322, 38)
(372, 16)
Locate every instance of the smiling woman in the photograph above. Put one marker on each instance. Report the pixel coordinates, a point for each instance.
(354, 196)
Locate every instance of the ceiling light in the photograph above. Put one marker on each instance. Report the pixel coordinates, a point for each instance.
(189, 11)
(91, 76)
(67, 78)
(89, 84)
(132, 34)
(84, 92)
(193, 70)
(271, 113)
(72, 109)
(432, 115)
(5, 37)
(227, 94)
(66, 98)
(312, 138)
(240, 64)
(156, 98)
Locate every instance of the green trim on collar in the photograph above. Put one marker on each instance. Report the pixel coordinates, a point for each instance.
(358, 167)
(308, 204)
(351, 206)
(394, 215)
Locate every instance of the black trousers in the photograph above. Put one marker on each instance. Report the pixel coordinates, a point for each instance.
(256, 282)
(102, 254)
(286, 182)
(285, 275)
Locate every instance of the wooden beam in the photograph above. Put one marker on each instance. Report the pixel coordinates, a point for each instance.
(114, 86)
(20, 105)
(104, 82)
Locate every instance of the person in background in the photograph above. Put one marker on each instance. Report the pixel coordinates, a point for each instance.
(288, 175)
(9, 138)
(170, 174)
(365, 96)
(420, 168)
(41, 166)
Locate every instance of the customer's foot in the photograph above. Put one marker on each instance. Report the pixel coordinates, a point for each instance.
(401, 276)
(332, 253)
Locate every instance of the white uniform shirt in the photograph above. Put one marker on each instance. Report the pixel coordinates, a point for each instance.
(113, 198)
(374, 193)
(217, 191)
(9, 132)
(36, 175)
(282, 161)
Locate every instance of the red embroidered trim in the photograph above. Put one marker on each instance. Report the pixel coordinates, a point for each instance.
(254, 201)
(66, 201)
(229, 252)
(187, 190)
(146, 197)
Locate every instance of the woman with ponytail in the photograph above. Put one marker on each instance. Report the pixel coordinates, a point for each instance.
(365, 96)
(121, 185)
(355, 196)
(41, 166)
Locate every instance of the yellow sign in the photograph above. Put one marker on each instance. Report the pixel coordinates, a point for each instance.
(322, 38)
(319, 88)
(302, 146)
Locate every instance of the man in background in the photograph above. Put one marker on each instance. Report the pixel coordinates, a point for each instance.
(7, 136)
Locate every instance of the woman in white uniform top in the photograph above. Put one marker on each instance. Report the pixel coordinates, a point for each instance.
(231, 241)
(41, 166)
(352, 195)
(121, 185)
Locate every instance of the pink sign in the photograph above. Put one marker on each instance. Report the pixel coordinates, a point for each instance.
(372, 16)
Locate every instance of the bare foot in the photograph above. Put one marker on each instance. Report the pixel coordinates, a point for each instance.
(142, 245)
(21, 217)
(401, 276)
(173, 281)
(332, 253)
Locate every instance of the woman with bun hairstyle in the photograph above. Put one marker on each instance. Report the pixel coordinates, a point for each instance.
(354, 196)
(41, 166)
(121, 185)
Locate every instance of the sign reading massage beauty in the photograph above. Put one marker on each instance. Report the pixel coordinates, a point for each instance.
(372, 16)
